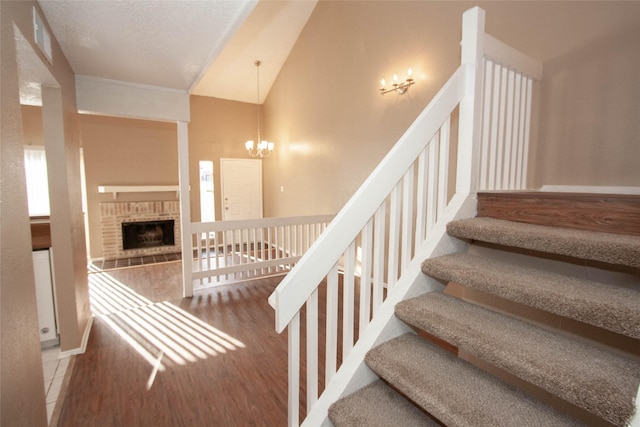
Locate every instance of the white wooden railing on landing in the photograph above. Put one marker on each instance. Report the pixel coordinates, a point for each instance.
(241, 249)
(397, 217)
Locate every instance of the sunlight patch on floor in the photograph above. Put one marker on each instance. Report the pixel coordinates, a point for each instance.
(162, 333)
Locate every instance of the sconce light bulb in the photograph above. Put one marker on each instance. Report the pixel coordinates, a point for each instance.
(396, 85)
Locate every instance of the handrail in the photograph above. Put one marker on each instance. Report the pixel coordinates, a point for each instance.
(399, 213)
(243, 224)
(502, 53)
(292, 293)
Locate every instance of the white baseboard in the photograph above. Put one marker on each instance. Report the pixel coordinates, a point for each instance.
(83, 344)
(591, 189)
(635, 419)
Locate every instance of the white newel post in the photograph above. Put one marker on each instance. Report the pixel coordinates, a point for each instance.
(185, 209)
(471, 104)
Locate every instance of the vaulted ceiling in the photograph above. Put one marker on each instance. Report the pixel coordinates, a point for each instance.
(205, 47)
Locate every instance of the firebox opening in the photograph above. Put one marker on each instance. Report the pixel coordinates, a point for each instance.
(147, 234)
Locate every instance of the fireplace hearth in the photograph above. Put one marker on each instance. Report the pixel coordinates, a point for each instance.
(147, 234)
(114, 214)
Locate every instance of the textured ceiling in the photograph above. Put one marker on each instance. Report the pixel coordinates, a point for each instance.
(204, 47)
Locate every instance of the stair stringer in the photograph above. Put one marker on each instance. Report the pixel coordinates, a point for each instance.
(635, 419)
(353, 373)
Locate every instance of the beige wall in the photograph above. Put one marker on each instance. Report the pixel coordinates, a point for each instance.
(21, 383)
(218, 129)
(21, 378)
(67, 225)
(332, 127)
(591, 136)
(120, 151)
(32, 132)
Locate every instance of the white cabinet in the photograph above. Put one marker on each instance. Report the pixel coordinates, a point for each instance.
(44, 298)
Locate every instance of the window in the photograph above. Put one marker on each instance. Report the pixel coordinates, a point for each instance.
(207, 204)
(35, 165)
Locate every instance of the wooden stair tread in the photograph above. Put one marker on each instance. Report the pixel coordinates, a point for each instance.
(454, 391)
(595, 380)
(607, 306)
(609, 213)
(378, 404)
(589, 245)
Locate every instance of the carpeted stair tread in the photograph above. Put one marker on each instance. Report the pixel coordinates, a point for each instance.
(591, 245)
(378, 405)
(603, 305)
(454, 391)
(600, 382)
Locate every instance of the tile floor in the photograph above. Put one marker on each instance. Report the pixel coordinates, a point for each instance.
(54, 370)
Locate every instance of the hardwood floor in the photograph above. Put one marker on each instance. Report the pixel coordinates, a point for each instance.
(155, 359)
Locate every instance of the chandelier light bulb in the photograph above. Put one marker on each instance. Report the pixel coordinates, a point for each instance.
(262, 148)
(399, 87)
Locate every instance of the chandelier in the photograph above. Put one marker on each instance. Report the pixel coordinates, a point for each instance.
(262, 148)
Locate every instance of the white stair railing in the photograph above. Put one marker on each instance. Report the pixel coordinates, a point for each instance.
(241, 249)
(506, 116)
(356, 263)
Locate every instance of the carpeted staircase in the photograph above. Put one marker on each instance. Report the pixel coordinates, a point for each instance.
(513, 343)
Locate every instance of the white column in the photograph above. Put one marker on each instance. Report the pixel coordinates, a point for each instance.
(185, 210)
(471, 104)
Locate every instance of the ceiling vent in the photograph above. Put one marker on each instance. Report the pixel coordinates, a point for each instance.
(42, 36)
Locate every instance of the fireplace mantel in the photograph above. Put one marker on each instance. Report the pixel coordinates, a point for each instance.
(115, 189)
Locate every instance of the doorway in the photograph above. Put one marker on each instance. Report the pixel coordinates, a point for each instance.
(241, 184)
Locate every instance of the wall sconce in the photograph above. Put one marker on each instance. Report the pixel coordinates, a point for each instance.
(263, 148)
(396, 85)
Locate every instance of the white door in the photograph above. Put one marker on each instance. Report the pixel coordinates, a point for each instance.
(241, 183)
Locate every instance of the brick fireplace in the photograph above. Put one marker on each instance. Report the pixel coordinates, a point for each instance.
(114, 214)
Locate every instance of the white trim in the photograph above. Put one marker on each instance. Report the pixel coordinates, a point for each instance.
(115, 189)
(635, 419)
(592, 189)
(83, 344)
(503, 54)
(186, 242)
(123, 84)
(239, 224)
(123, 99)
(353, 374)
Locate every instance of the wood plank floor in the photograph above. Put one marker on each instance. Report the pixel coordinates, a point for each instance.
(607, 213)
(155, 359)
